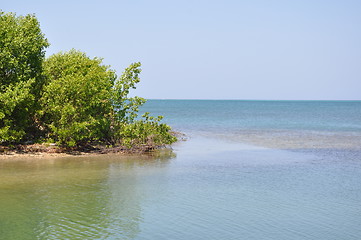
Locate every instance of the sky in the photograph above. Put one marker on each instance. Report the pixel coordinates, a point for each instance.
(206, 49)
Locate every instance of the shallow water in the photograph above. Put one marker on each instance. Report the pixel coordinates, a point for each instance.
(212, 186)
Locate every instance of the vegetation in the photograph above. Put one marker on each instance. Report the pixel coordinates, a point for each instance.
(68, 98)
(22, 46)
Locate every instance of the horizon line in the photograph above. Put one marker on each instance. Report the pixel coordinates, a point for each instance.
(210, 99)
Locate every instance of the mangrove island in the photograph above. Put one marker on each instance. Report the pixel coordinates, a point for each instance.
(68, 101)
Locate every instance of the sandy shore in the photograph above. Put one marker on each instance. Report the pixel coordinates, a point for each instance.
(43, 150)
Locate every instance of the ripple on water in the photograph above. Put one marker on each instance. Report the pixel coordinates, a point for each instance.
(213, 189)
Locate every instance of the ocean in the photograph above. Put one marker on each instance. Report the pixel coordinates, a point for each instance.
(310, 126)
(244, 170)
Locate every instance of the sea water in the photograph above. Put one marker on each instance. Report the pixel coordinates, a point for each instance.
(247, 170)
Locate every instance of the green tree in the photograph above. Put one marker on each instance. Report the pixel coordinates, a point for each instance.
(22, 51)
(76, 103)
(84, 101)
(126, 107)
(130, 130)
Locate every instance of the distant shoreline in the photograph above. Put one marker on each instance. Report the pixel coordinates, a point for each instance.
(255, 100)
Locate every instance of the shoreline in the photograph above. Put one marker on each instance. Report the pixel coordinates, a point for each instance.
(53, 150)
(44, 150)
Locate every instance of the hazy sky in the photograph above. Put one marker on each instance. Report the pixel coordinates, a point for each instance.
(225, 49)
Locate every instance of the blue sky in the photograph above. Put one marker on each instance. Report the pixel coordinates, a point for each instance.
(259, 49)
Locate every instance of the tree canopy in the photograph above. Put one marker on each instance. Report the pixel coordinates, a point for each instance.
(22, 53)
(68, 98)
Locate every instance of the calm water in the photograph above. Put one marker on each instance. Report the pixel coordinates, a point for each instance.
(249, 170)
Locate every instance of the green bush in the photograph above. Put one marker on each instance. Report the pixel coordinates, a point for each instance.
(146, 132)
(22, 51)
(75, 105)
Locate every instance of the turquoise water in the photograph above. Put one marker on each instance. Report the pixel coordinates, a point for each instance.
(248, 170)
(228, 115)
(323, 127)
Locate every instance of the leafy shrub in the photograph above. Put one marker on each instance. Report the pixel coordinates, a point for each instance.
(22, 51)
(84, 102)
(76, 104)
(147, 132)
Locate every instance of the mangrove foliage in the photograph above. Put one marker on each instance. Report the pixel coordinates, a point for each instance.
(68, 98)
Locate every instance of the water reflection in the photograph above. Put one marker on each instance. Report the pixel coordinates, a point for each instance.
(76, 197)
